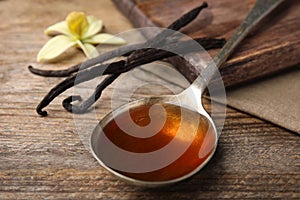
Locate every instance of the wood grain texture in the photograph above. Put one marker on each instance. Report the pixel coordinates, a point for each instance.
(272, 47)
(43, 158)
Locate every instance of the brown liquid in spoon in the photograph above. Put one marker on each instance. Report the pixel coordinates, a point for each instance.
(195, 130)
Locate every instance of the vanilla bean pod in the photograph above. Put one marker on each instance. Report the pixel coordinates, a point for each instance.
(89, 63)
(176, 25)
(149, 55)
(126, 50)
(70, 82)
(85, 105)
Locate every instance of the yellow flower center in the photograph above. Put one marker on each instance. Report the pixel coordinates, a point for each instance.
(77, 24)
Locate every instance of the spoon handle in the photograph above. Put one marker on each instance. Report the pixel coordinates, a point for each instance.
(258, 12)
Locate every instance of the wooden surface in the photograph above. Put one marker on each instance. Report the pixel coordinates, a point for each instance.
(273, 46)
(44, 158)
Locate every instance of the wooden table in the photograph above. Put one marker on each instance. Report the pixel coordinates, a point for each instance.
(43, 158)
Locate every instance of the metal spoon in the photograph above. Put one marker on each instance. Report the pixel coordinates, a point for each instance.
(259, 11)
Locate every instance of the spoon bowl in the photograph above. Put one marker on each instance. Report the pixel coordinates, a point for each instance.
(183, 143)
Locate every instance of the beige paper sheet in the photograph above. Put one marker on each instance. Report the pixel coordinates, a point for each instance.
(275, 99)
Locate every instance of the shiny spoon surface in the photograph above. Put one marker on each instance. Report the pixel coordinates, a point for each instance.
(190, 102)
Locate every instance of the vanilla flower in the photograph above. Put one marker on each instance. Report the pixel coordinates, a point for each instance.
(77, 30)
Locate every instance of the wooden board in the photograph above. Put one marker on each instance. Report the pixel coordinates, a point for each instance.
(272, 47)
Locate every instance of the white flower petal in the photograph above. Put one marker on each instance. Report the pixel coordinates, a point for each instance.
(89, 50)
(105, 38)
(55, 47)
(95, 26)
(58, 28)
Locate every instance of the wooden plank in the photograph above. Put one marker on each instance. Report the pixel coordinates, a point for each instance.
(274, 46)
(44, 158)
